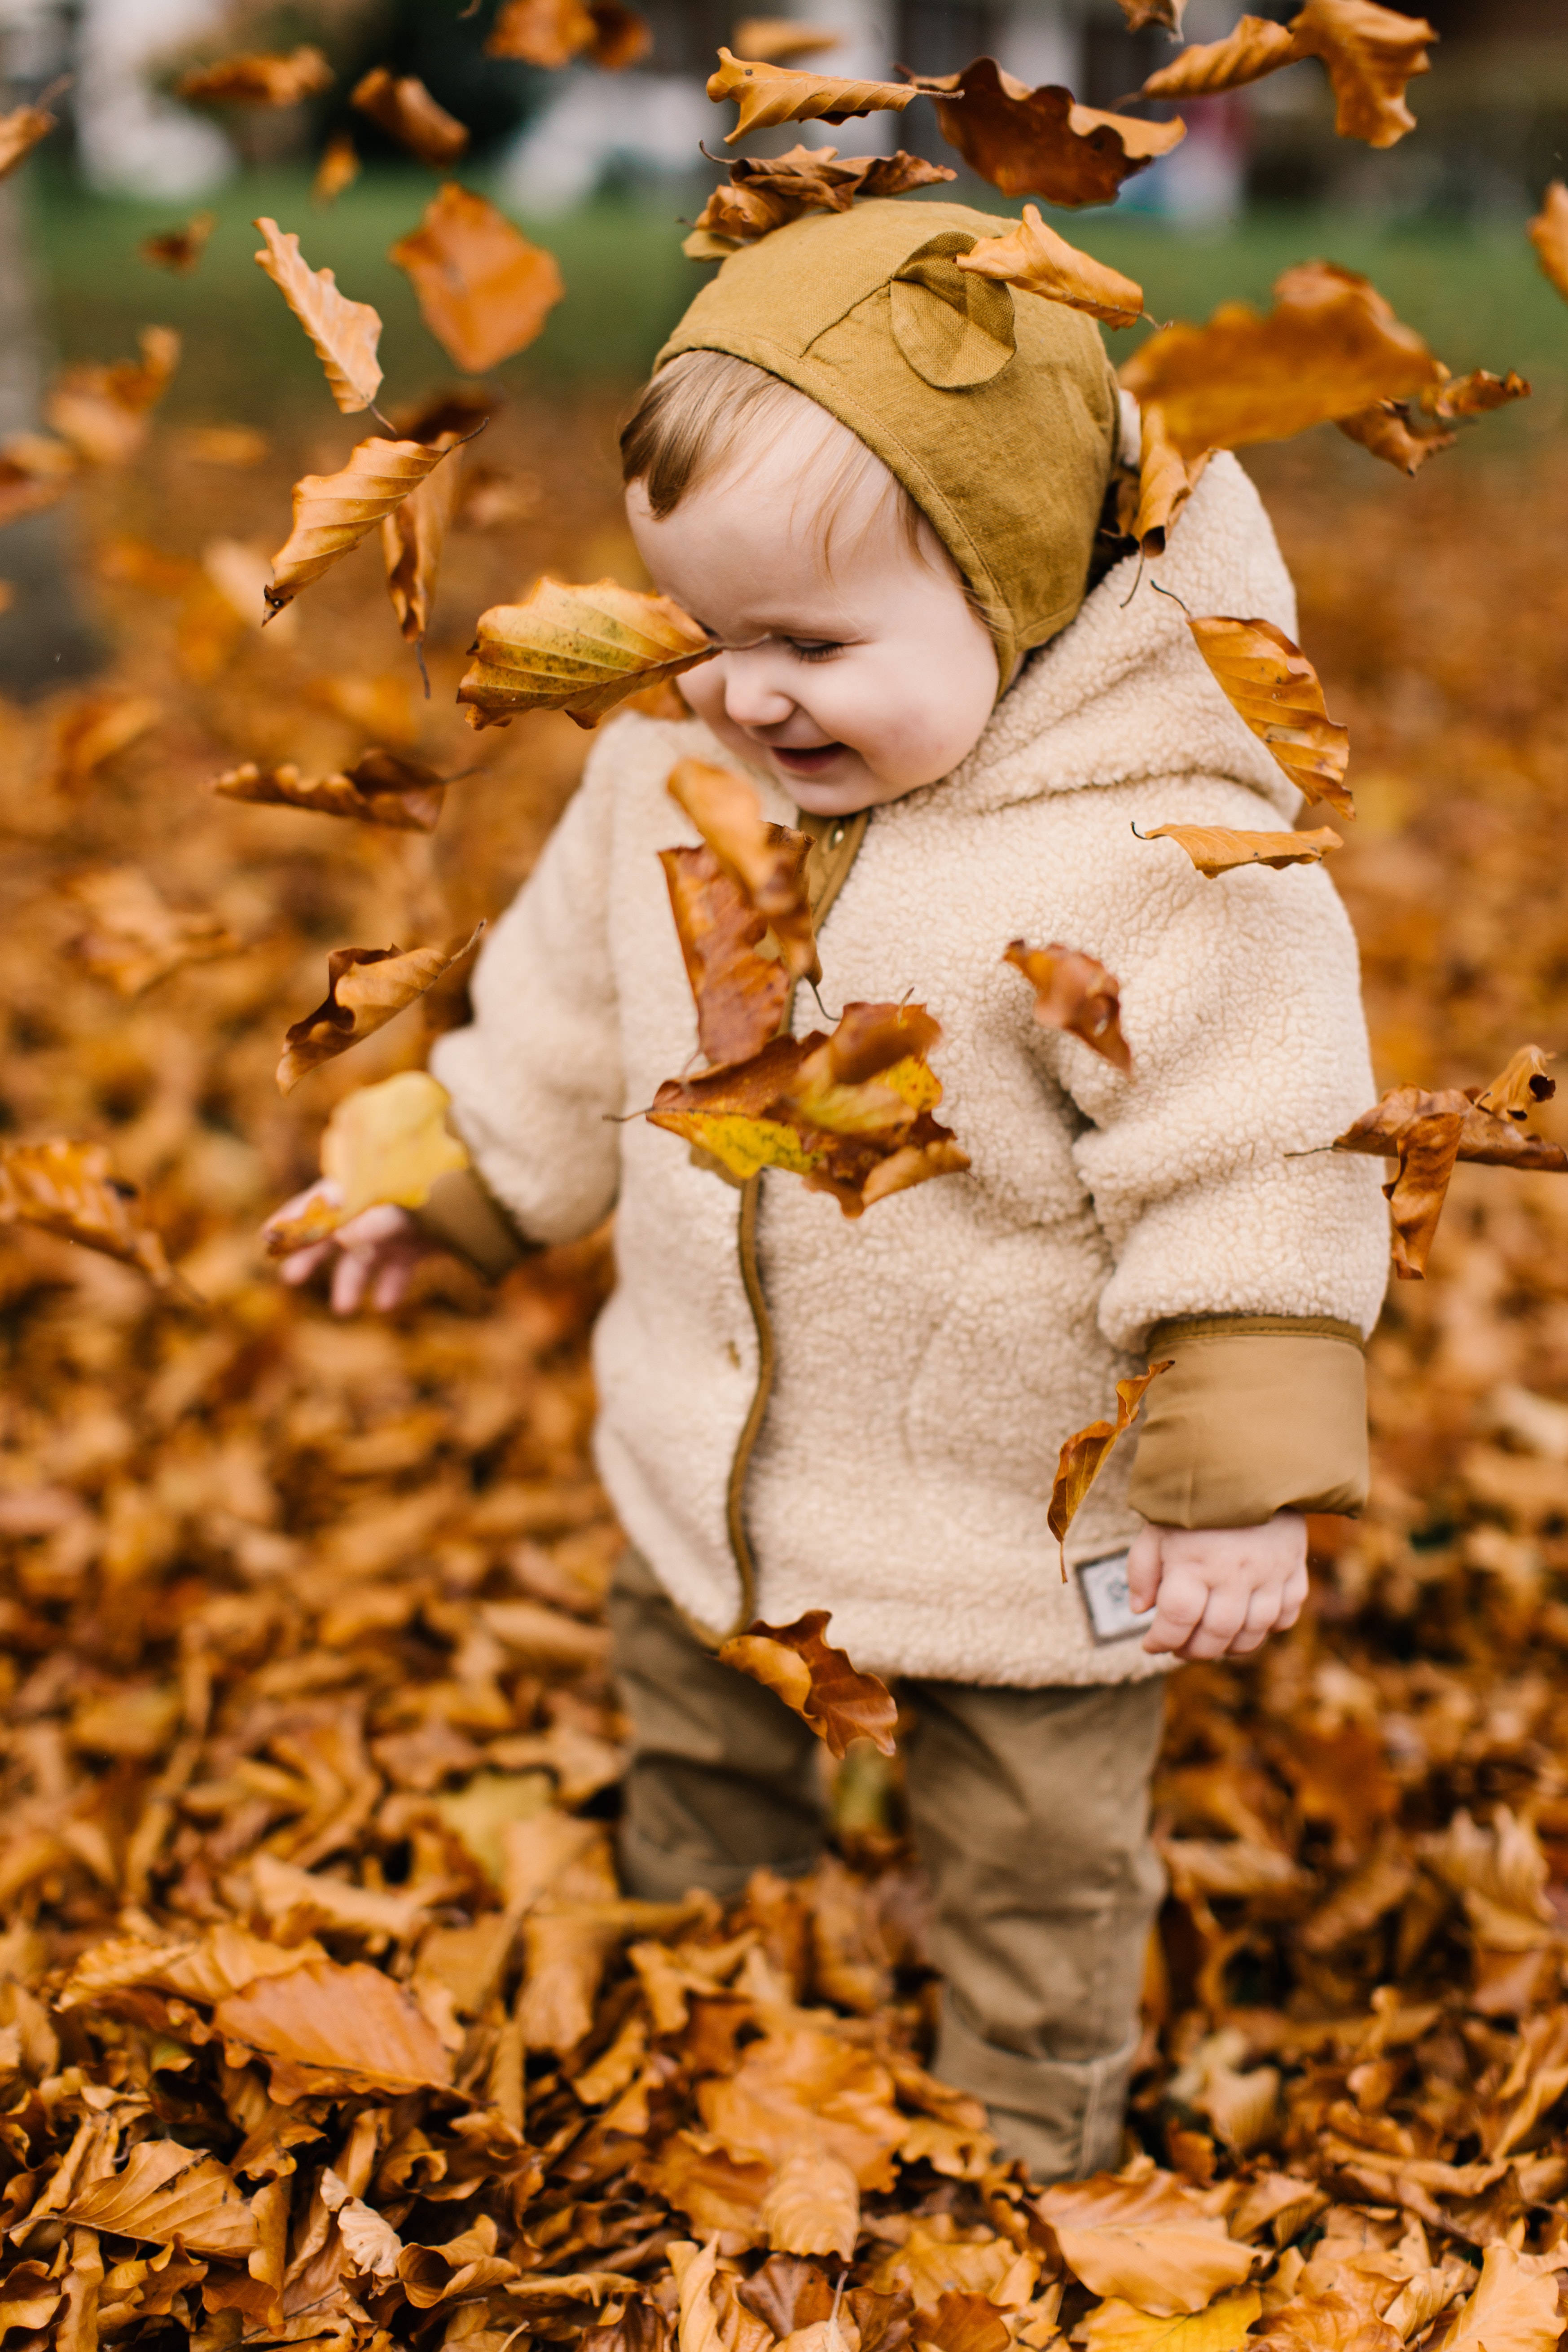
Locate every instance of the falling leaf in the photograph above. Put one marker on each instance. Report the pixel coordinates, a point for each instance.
(179, 250)
(1273, 686)
(339, 168)
(1215, 849)
(1494, 1142)
(1427, 1149)
(1033, 257)
(851, 1113)
(1222, 2327)
(1519, 1086)
(774, 40)
(405, 108)
(1041, 142)
(366, 988)
(381, 788)
(225, 445)
(1548, 234)
(1370, 52)
(413, 536)
(24, 126)
(1142, 2238)
(326, 2027)
(68, 1189)
(1386, 429)
(1074, 992)
(103, 412)
(270, 78)
(1475, 394)
(333, 512)
(740, 995)
(1166, 14)
(137, 937)
(818, 1683)
(345, 333)
(1166, 480)
(1082, 1458)
(165, 2193)
(96, 731)
(764, 192)
(483, 291)
(1255, 46)
(551, 33)
(580, 650)
(768, 860)
(35, 472)
(768, 94)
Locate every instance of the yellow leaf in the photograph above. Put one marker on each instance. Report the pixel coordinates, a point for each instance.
(580, 650)
(1273, 686)
(1117, 2326)
(390, 1143)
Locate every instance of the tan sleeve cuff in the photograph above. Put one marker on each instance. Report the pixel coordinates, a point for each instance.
(464, 1215)
(1258, 1414)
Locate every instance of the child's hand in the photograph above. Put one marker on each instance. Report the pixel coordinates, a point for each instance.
(1221, 1590)
(375, 1252)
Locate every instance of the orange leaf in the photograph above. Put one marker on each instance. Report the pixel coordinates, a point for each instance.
(1041, 141)
(483, 291)
(1385, 428)
(1271, 683)
(366, 988)
(1166, 14)
(807, 2086)
(1548, 233)
(333, 512)
(95, 730)
(267, 78)
(768, 94)
(551, 33)
(414, 535)
(327, 2027)
(179, 250)
(1074, 992)
(1166, 480)
(137, 937)
(1520, 1085)
(1034, 258)
(818, 1684)
(1330, 347)
(763, 191)
(1427, 1149)
(1082, 1458)
(345, 333)
(1476, 394)
(66, 1188)
(339, 168)
(405, 108)
(22, 129)
(774, 40)
(167, 2193)
(1215, 849)
(1487, 1138)
(381, 788)
(103, 412)
(1370, 54)
(1142, 2237)
(1253, 48)
(813, 2207)
(768, 860)
(740, 996)
(965, 2322)
(580, 650)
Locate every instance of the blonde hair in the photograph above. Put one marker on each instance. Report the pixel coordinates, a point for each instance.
(690, 423)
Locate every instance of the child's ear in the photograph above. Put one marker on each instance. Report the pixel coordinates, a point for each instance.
(954, 327)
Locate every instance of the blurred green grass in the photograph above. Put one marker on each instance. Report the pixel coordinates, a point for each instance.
(1473, 290)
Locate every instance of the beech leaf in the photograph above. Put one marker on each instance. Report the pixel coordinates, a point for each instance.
(258, 77)
(483, 291)
(103, 412)
(1034, 258)
(768, 861)
(179, 250)
(813, 2205)
(1042, 142)
(405, 108)
(339, 168)
(1222, 2327)
(413, 536)
(764, 192)
(1142, 2237)
(580, 650)
(385, 788)
(137, 938)
(68, 1189)
(345, 334)
(328, 2027)
(768, 94)
(165, 2193)
(551, 33)
(1083, 1456)
(333, 512)
(1075, 992)
(740, 995)
(1273, 688)
(366, 988)
(1166, 480)
(1215, 849)
(1549, 235)
(819, 1684)
(1370, 52)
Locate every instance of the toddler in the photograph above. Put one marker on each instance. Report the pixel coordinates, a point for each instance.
(875, 480)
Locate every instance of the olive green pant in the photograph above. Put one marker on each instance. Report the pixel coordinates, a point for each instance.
(1029, 1809)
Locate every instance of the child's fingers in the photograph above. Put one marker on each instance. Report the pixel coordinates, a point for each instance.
(301, 1264)
(350, 1276)
(1143, 1568)
(1182, 1598)
(391, 1284)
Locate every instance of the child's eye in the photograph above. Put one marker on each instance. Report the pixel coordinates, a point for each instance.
(811, 649)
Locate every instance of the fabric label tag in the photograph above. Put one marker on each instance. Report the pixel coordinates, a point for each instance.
(1112, 1615)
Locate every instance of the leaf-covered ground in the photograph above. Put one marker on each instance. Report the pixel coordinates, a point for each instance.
(321, 2017)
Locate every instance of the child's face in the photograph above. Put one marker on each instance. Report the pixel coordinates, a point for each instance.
(854, 689)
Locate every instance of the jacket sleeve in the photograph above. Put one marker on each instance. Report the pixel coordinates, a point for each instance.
(536, 1078)
(1240, 1248)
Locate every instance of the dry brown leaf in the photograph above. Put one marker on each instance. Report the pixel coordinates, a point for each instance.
(1548, 233)
(267, 78)
(1494, 1142)
(333, 512)
(167, 2193)
(339, 168)
(405, 108)
(776, 40)
(413, 536)
(1215, 849)
(366, 988)
(224, 1959)
(551, 33)
(1034, 258)
(1166, 14)
(24, 126)
(68, 1189)
(1510, 2311)
(1385, 428)
(1254, 47)
(1074, 992)
(95, 731)
(965, 2322)
(812, 2206)
(580, 650)
(1273, 686)
(768, 94)
(137, 938)
(1370, 52)
(818, 1684)
(179, 250)
(483, 291)
(1166, 480)
(763, 191)
(1475, 394)
(768, 860)
(345, 334)
(103, 412)
(328, 2029)
(1330, 347)
(1042, 142)
(740, 995)
(804, 2087)
(1142, 2238)
(381, 788)
(1522, 1083)
(1427, 1149)
(35, 471)
(1082, 1458)
(851, 1113)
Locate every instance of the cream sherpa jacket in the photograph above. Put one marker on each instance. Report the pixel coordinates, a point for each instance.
(929, 1359)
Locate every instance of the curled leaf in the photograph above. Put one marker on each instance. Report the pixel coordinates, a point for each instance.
(178, 249)
(1492, 1140)
(66, 1188)
(103, 412)
(1166, 14)
(768, 860)
(580, 650)
(381, 788)
(1548, 233)
(1042, 142)
(22, 129)
(137, 938)
(405, 108)
(768, 94)
(366, 988)
(1034, 258)
(165, 2193)
(1075, 992)
(1520, 1085)
(1166, 480)
(740, 996)
(813, 2203)
(817, 1683)
(413, 536)
(1254, 47)
(1083, 1456)
(484, 291)
(764, 192)
(551, 33)
(333, 512)
(1370, 52)
(1386, 429)
(262, 77)
(1215, 849)
(1273, 686)
(339, 168)
(345, 334)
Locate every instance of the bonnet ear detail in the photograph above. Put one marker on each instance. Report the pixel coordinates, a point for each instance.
(955, 328)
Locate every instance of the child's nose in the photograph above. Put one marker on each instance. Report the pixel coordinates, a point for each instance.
(751, 699)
